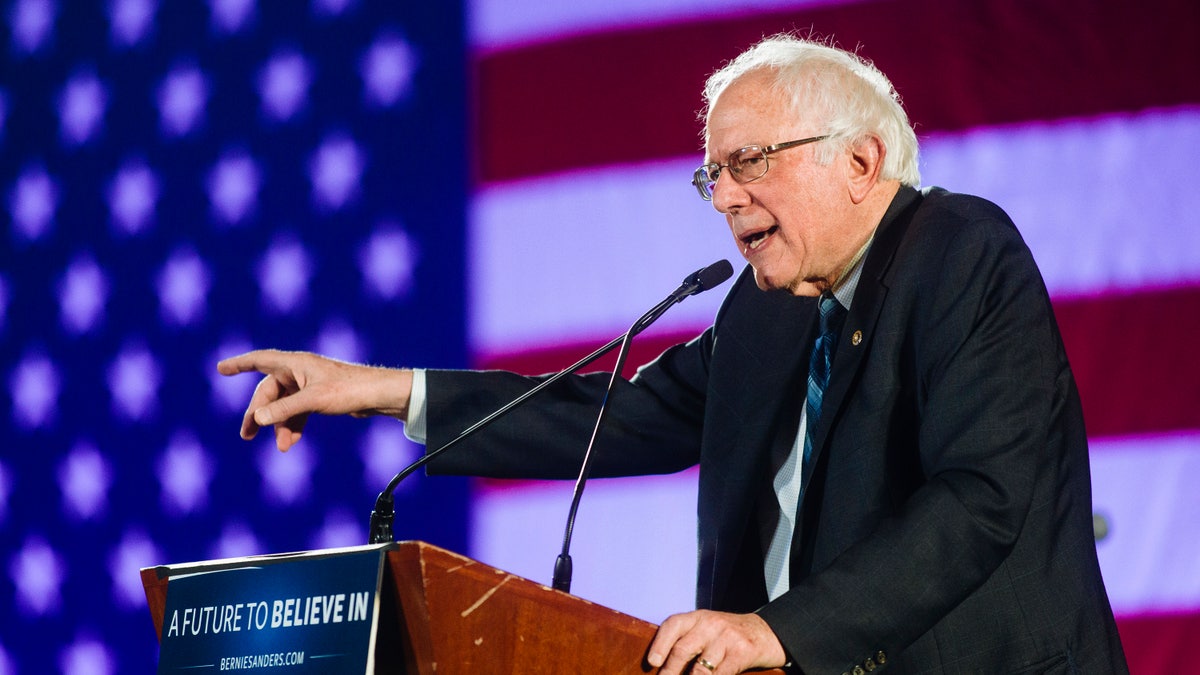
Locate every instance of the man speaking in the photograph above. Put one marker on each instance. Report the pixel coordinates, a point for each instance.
(893, 463)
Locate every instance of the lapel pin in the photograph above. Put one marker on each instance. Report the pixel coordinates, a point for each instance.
(856, 338)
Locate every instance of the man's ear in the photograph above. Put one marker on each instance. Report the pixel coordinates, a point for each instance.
(866, 163)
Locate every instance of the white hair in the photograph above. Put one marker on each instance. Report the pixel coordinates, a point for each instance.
(853, 96)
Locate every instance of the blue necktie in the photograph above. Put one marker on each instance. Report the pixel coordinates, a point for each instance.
(780, 522)
(832, 314)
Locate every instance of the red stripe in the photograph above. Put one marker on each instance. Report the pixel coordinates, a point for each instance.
(633, 95)
(1119, 347)
(552, 359)
(1160, 644)
(1134, 357)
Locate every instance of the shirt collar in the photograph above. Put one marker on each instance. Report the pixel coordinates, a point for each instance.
(847, 283)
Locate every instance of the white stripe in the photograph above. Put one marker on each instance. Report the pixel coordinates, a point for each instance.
(1144, 488)
(1105, 205)
(634, 544)
(581, 255)
(499, 24)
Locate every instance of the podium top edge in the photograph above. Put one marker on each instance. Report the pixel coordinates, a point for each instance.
(219, 564)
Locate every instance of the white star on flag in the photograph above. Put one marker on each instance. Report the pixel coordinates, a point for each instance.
(133, 380)
(130, 21)
(32, 203)
(34, 386)
(81, 108)
(388, 260)
(183, 287)
(236, 540)
(132, 196)
(385, 451)
(32, 21)
(387, 70)
(231, 16)
(132, 553)
(84, 477)
(283, 275)
(184, 471)
(87, 656)
(37, 572)
(233, 187)
(283, 85)
(285, 475)
(340, 529)
(339, 340)
(82, 294)
(336, 170)
(181, 100)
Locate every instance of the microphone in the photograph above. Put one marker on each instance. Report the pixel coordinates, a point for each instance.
(699, 281)
(384, 513)
(703, 279)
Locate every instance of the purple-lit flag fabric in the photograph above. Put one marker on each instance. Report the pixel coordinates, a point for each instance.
(182, 182)
(1081, 119)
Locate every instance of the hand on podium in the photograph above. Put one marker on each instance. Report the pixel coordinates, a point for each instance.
(717, 643)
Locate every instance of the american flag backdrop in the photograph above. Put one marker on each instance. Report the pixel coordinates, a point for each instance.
(505, 184)
(1081, 118)
(182, 181)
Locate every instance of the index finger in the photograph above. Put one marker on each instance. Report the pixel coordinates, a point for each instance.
(259, 360)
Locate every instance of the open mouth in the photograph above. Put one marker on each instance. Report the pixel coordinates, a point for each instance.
(753, 241)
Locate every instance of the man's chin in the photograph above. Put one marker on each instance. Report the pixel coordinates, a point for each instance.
(805, 288)
(765, 283)
(792, 286)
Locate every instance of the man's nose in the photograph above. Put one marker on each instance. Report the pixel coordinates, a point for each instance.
(728, 194)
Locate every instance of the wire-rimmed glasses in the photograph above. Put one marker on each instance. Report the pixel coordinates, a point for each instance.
(745, 165)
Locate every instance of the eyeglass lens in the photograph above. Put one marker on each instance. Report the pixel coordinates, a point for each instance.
(747, 164)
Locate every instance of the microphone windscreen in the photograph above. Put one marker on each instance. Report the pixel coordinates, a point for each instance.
(714, 275)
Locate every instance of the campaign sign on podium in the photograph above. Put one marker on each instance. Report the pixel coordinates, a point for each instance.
(313, 612)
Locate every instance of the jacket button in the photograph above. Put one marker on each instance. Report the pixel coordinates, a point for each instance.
(859, 671)
(881, 658)
(869, 665)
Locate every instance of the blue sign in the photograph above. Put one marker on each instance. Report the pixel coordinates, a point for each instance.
(311, 612)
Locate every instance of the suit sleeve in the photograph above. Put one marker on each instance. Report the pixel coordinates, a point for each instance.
(653, 425)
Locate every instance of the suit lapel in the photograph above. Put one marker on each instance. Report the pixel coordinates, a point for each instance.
(757, 390)
(760, 361)
(859, 328)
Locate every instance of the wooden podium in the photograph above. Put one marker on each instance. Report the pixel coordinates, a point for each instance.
(461, 616)
(445, 613)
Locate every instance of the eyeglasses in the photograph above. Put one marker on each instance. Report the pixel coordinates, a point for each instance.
(745, 165)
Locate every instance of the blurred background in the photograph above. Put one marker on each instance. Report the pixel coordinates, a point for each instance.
(501, 184)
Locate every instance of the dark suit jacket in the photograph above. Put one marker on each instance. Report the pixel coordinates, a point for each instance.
(945, 524)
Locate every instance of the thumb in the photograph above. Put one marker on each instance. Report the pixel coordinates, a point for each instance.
(299, 404)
